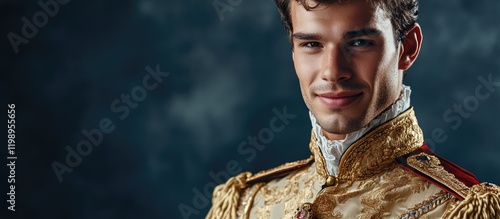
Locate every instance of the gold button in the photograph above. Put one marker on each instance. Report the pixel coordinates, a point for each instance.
(331, 181)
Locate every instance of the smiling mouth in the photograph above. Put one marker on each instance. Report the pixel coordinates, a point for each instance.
(339, 100)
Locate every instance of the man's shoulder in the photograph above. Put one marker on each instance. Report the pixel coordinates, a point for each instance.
(247, 179)
(431, 167)
(475, 199)
(280, 171)
(225, 199)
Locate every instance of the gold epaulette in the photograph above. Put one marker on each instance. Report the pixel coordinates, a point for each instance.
(280, 171)
(226, 197)
(481, 202)
(475, 200)
(430, 168)
(424, 163)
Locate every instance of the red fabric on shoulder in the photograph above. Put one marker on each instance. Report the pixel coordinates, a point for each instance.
(460, 173)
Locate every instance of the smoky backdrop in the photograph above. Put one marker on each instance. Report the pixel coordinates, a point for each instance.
(136, 109)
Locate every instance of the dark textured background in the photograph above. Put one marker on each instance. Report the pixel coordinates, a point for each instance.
(225, 79)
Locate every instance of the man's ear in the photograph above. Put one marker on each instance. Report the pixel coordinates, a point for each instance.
(410, 47)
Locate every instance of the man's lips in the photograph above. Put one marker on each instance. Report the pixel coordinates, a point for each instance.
(339, 99)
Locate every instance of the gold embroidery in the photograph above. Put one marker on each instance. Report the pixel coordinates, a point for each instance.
(369, 179)
(365, 161)
(377, 195)
(273, 196)
(329, 198)
(431, 166)
(247, 201)
(292, 190)
(319, 160)
(337, 215)
(263, 212)
(303, 194)
(393, 187)
(284, 168)
(426, 206)
(375, 152)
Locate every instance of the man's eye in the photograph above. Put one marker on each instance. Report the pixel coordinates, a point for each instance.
(311, 45)
(361, 43)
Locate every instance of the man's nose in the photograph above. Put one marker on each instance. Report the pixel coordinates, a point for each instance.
(336, 65)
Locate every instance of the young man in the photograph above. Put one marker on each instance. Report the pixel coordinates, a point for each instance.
(368, 156)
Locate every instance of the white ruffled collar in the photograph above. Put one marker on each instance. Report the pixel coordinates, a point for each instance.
(333, 150)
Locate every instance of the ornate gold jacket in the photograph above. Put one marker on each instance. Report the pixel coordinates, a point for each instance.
(385, 174)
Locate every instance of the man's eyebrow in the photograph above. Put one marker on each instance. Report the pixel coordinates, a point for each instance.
(348, 35)
(306, 36)
(362, 32)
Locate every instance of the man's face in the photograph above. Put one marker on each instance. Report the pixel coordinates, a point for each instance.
(346, 60)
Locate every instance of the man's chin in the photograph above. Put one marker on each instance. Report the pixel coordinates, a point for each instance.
(339, 126)
(338, 131)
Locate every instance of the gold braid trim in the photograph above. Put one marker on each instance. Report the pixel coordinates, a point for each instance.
(249, 202)
(226, 197)
(318, 156)
(431, 166)
(482, 202)
(280, 171)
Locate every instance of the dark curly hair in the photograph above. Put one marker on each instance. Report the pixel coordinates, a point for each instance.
(403, 13)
